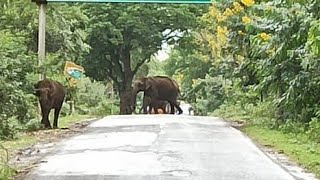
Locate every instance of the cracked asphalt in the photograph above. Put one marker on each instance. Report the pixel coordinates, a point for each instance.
(151, 147)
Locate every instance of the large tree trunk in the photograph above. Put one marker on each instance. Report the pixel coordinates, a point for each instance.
(126, 101)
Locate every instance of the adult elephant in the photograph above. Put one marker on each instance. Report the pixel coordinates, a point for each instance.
(51, 95)
(154, 106)
(158, 88)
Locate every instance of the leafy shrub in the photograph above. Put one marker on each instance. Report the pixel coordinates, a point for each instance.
(9, 127)
(105, 108)
(314, 129)
(292, 127)
(92, 97)
(202, 107)
(5, 170)
(15, 88)
(33, 124)
(210, 94)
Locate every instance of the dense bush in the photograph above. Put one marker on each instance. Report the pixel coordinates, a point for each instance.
(267, 56)
(96, 98)
(19, 68)
(5, 170)
(15, 89)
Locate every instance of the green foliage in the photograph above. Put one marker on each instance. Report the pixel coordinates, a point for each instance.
(65, 35)
(209, 94)
(95, 98)
(261, 60)
(90, 92)
(189, 67)
(106, 108)
(33, 125)
(123, 37)
(156, 68)
(15, 88)
(298, 147)
(314, 129)
(5, 170)
(8, 128)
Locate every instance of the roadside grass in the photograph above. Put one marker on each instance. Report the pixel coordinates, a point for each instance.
(6, 171)
(23, 140)
(66, 121)
(298, 147)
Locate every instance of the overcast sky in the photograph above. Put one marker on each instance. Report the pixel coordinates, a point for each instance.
(164, 53)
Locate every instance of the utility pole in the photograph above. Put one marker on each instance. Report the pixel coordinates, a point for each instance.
(42, 38)
(42, 4)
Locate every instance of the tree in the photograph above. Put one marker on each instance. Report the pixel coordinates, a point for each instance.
(123, 37)
(18, 48)
(191, 64)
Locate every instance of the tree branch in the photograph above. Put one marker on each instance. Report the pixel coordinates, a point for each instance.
(116, 58)
(139, 65)
(111, 75)
(113, 78)
(172, 34)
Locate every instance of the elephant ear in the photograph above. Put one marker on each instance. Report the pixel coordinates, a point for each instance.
(148, 84)
(139, 84)
(51, 87)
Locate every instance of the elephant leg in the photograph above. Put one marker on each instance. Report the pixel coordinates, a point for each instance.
(156, 110)
(56, 116)
(171, 108)
(145, 109)
(178, 108)
(45, 117)
(168, 108)
(164, 110)
(150, 109)
(145, 104)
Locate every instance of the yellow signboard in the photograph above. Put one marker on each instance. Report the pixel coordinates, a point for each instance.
(73, 72)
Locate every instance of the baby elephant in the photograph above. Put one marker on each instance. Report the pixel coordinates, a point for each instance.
(51, 95)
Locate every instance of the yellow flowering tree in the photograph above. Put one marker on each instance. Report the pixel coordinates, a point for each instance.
(248, 2)
(228, 23)
(261, 53)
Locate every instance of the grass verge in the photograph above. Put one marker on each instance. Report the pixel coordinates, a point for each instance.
(296, 146)
(25, 140)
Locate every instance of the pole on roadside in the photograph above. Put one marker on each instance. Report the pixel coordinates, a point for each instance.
(42, 4)
(42, 39)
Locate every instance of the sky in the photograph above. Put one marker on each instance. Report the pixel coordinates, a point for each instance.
(163, 54)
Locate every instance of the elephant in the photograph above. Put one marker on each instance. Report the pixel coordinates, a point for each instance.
(51, 95)
(158, 88)
(159, 111)
(153, 106)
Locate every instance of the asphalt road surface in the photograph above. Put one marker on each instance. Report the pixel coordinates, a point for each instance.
(152, 147)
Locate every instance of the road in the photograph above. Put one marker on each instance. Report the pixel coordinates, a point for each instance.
(151, 147)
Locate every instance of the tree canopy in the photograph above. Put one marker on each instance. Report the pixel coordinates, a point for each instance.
(123, 37)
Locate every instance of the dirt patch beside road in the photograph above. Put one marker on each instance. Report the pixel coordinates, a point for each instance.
(26, 158)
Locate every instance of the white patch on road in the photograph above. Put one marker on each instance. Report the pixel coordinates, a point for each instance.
(90, 154)
(186, 147)
(102, 163)
(110, 140)
(163, 119)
